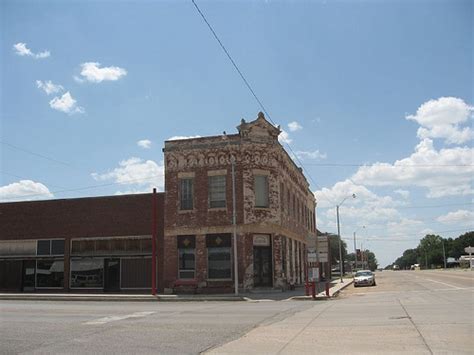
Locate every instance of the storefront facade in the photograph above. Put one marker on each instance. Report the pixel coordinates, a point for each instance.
(100, 244)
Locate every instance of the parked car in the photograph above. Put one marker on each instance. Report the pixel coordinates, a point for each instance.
(364, 278)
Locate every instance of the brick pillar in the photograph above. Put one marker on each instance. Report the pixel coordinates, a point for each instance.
(278, 251)
(67, 263)
(170, 272)
(201, 260)
(292, 256)
(246, 260)
(298, 265)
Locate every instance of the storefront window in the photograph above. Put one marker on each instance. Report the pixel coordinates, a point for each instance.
(218, 256)
(186, 254)
(87, 273)
(49, 273)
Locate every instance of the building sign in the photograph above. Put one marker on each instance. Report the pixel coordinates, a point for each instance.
(261, 240)
(323, 249)
(312, 255)
(313, 274)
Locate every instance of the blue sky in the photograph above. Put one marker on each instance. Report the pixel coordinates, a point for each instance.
(360, 88)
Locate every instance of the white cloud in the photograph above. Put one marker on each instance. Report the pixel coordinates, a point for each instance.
(177, 138)
(144, 143)
(22, 50)
(135, 171)
(311, 155)
(92, 72)
(49, 87)
(66, 103)
(404, 193)
(457, 217)
(294, 126)
(284, 137)
(24, 190)
(442, 118)
(445, 172)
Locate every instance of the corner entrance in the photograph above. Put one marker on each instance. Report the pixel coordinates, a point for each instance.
(262, 261)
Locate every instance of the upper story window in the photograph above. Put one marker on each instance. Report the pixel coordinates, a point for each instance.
(186, 193)
(50, 247)
(261, 191)
(282, 197)
(217, 191)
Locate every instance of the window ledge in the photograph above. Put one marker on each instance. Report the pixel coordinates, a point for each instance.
(217, 209)
(186, 211)
(219, 280)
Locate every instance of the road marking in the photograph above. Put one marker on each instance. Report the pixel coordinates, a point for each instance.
(105, 320)
(412, 291)
(443, 283)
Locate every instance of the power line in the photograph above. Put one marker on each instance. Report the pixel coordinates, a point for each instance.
(436, 206)
(87, 187)
(36, 154)
(391, 166)
(25, 178)
(388, 238)
(251, 89)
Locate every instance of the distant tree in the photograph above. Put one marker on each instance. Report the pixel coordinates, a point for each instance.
(461, 242)
(431, 250)
(409, 257)
(372, 262)
(334, 249)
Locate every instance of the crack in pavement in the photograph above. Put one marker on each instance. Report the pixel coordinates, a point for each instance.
(414, 325)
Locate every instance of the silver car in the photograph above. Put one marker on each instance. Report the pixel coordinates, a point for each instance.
(364, 278)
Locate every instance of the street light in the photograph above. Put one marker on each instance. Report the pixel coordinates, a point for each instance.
(339, 233)
(355, 247)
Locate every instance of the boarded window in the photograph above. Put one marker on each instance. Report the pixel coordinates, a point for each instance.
(112, 246)
(17, 247)
(136, 273)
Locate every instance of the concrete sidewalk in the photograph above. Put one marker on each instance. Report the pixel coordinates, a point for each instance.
(253, 296)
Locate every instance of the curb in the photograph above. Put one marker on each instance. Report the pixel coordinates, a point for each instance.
(150, 298)
(336, 293)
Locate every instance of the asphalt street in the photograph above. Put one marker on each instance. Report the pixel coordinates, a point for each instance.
(407, 312)
(44, 327)
(414, 312)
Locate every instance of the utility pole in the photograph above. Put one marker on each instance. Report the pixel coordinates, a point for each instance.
(444, 255)
(153, 244)
(355, 251)
(341, 262)
(340, 247)
(234, 229)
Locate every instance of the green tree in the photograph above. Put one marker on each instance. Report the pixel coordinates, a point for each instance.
(334, 249)
(461, 242)
(409, 257)
(431, 250)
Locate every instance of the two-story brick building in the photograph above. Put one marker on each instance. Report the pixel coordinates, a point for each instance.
(275, 210)
(104, 243)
